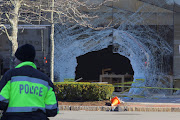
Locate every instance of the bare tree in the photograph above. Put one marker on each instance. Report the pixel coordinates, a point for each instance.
(14, 12)
(11, 14)
(71, 11)
(52, 44)
(61, 11)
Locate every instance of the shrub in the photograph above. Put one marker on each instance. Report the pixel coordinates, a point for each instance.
(83, 91)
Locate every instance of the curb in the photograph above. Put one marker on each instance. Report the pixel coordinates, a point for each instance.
(86, 108)
(142, 107)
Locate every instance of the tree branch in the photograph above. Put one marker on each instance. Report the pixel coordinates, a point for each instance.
(1, 25)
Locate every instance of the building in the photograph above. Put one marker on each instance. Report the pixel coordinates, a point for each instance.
(126, 16)
(160, 15)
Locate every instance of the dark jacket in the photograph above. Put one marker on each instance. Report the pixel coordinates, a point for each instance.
(27, 94)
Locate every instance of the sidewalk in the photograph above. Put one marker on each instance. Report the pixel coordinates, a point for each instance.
(106, 115)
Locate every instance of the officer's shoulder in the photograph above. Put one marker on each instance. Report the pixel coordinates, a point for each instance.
(8, 72)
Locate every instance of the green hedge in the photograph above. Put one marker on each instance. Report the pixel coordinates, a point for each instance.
(83, 91)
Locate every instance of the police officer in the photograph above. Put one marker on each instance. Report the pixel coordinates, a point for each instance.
(25, 92)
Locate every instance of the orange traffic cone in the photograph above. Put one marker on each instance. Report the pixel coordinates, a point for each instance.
(115, 101)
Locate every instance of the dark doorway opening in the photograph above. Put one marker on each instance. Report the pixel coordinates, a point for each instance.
(90, 65)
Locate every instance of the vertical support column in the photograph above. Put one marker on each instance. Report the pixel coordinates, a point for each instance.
(171, 83)
(111, 80)
(176, 57)
(100, 78)
(122, 82)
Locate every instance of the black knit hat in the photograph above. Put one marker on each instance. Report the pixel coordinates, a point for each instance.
(26, 53)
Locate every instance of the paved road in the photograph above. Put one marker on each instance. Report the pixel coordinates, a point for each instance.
(97, 115)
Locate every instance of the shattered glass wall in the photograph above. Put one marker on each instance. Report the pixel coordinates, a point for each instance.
(138, 30)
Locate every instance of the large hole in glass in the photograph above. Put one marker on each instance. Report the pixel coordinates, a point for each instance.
(91, 65)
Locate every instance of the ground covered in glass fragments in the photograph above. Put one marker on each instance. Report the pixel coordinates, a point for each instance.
(158, 99)
(87, 103)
